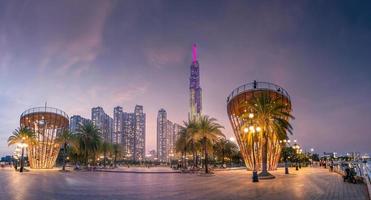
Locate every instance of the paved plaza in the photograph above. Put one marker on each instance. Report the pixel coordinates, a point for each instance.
(308, 183)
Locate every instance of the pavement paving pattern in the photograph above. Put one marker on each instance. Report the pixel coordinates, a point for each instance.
(307, 183)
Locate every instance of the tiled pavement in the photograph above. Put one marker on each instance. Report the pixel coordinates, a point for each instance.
(309, 183)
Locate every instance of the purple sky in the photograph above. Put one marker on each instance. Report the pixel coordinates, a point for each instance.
(79, 54)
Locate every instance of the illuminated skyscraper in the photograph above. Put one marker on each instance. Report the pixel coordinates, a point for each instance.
(162, 134)
(102, 121)
(76, 121)
(130, 132)
(118, 126)
(194, 87)
(167, 132)
(140, 133)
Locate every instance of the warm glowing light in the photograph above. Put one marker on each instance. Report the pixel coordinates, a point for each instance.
(284, 140)
(252, 129)
(258, 129)
(288, 141)
(246, 130)
(311, 149)
(232, 139)
(295, 141)
(251, 115)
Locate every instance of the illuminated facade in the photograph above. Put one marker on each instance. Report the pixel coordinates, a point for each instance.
(47, 123)
(140, 134)
(167, 132)
(194, 88)
(103, 122)
(118, 125)
(130, 132)
(76, 121)
(237, 106)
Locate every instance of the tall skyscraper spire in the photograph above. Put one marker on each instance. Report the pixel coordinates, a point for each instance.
(194, 52)
(194, 87)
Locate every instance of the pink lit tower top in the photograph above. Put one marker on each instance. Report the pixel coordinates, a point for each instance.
(194, 87)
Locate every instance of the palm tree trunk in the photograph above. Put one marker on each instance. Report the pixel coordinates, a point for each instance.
(265, 156)
(193, 154)
(22, 162)
(265, 173)
(104, 159)
(64, 156)
(206, 164)
(223, 157)
(115, 160)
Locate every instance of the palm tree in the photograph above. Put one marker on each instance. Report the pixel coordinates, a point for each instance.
(24, 136)
(220, 148)
(231, 150)
(116, 148)
(89, 139)
(105, 147)
(208, 130)
(66, 138)
(272, 115)
(181, 144)
(191, 138)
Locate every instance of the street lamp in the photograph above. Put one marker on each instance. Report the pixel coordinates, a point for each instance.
(296, 147)
(284, 142)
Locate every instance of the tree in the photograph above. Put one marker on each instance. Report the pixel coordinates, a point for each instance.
(89, 140)
(207, 130)
(220, 148)
(23, 136)
(191, 138)
(65, 139)
(231, 150)
(105, 148)
(272, 115)
(182, 143)
(117, 150)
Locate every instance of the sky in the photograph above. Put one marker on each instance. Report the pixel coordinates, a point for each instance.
(76, 55)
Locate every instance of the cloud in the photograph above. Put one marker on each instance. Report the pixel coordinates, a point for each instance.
(75, 54)
(165, 56)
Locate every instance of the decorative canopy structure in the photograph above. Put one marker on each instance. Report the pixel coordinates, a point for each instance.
(251, 143)
(47, 123)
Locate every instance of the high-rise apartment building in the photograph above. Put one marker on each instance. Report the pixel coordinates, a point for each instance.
(194, 88)
(118, 125)
(176, 131)
(166, 136)
(140, 133)
(104, 122)
(129, 129)
(76, 121)
(162, 135)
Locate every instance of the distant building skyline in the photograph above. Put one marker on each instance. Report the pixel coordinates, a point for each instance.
(112, 56)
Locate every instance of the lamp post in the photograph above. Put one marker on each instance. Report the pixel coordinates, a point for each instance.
(253, 130)
(284, 142)
(296, 147)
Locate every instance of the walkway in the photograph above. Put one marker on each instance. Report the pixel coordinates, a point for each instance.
(307, 183)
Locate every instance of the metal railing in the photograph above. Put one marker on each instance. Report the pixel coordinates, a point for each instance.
(257, 86)
(44, 110)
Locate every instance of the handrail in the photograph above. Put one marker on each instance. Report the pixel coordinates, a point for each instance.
(257, 86)
(45, 110)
